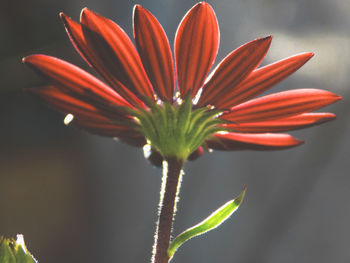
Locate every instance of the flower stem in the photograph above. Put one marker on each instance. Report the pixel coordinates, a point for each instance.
(171, 181)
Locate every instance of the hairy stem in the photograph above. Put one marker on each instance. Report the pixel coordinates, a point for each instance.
(172, 172)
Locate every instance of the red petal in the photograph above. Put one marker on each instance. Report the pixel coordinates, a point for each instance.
(75, 80)
(76, 36)
(196, 46)
(105, 129)
(153, 47)
(286, 124)
(66, 103)
(115, 55)
(245, 141)
(86, 116)
(75, 33)
(280, 105)
(91, 118)
(233, 69)
(263, 79)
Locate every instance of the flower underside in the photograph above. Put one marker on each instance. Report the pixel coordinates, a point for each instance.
(177, 130)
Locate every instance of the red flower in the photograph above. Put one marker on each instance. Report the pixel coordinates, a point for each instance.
(137, 76)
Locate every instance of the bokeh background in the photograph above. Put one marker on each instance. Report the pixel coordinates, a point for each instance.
(77, 197)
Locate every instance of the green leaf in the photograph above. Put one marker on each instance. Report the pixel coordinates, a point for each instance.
(211, 222)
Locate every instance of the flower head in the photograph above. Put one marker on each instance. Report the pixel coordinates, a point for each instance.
(137, 100)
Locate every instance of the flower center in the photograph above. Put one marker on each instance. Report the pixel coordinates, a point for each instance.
(177, 130)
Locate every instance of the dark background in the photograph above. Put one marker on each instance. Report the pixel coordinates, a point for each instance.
(77, 197)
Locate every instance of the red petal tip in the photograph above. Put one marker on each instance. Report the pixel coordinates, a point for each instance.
(337, 97)
(83, 12)
(87, 13)
(62, 15)
(202, 5)
(137, 7)
(268, 39)
(298, 142)
(28, 59)
(64, 18)
(308, 55)
(334, 97)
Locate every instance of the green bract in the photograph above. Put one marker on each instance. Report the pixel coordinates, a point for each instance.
(177, 130)
(14, 251)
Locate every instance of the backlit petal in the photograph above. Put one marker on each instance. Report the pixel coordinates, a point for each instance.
(232, 70)
(280, 105)
(263, 79)
(90, 117)
(286, 124)
(80, 108)
(196, 46)
(105, 128)
(245, 141)
(75, 33)
(153, 47)
(115, 54)
(75, 80)
(76, 36)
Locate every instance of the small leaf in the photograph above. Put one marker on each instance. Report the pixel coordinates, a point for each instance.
(12, 251)
(6, 254)
(211, 222)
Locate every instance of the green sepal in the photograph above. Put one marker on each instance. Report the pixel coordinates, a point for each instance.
(170, 115)
(201, 120)
(159, 115)
(147, 126)
(204, 124)
(184, 114)
(211, 222)
(196, 114)
(200, 140)
(174, 130)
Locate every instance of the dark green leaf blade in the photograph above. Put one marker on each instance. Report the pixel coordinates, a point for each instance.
(211, 222)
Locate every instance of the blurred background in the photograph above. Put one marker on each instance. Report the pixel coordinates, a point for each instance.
(77, 197)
